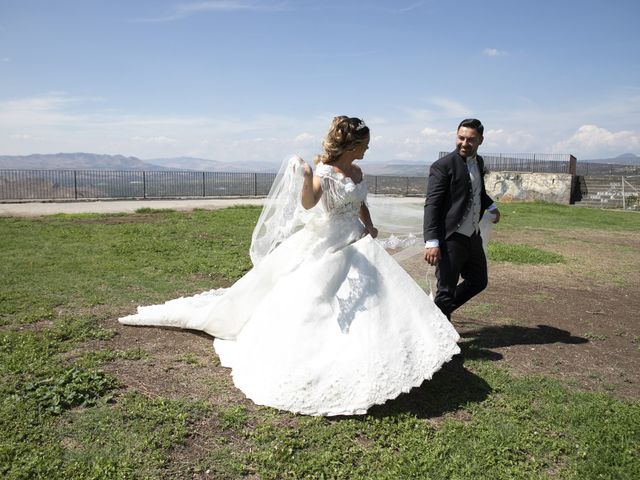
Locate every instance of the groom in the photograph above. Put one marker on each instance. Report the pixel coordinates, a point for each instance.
(456, 200)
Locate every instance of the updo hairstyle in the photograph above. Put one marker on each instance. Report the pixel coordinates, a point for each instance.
(345, 134)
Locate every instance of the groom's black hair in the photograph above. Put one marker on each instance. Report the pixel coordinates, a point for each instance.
(472, 123)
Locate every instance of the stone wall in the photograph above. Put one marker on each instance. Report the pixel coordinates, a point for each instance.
(517, 186)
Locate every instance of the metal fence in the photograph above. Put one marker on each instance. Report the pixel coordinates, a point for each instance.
(103, 184)
(528, 162)
(592, 169)
(99, 184)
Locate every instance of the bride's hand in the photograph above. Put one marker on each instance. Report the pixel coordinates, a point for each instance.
(308, 173)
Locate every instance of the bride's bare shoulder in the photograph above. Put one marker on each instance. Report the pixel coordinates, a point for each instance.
(357, 174)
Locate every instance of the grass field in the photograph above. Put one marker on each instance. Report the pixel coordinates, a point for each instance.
(65, 414)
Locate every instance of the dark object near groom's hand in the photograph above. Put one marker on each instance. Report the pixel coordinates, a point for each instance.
(432, 255)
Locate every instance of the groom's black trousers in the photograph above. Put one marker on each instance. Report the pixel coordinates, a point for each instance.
(460, 256)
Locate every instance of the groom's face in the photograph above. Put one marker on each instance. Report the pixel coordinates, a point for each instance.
(467, 141)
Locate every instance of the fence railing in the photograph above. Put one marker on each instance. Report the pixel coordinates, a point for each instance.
(593, 169)
(630, 194)
(528, 162)
(119, 184)
(99, 184)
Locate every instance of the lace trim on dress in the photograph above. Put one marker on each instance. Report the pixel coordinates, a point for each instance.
(341, 195)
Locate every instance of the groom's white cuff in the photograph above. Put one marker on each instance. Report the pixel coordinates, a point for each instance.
(432, 243)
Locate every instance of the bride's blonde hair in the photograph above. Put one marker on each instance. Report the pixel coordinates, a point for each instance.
(345, 134)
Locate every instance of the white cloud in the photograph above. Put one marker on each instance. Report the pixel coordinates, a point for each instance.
(60, 123)
(408, 142)
(451, 108)
(433, 136)
(5, 59)
(187, 9)
(439, 108)
(305, 137)
(418, 115)
(408, 8)
(158, 140)
(22, 136)
(508, 141)
(494, 52)
(592, 141)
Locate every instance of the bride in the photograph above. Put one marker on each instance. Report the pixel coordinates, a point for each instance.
(326, 322)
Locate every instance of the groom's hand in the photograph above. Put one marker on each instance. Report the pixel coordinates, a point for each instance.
(432, 255)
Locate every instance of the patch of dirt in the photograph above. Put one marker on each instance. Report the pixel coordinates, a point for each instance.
(587, 337)
(181, 365)
(576, 321)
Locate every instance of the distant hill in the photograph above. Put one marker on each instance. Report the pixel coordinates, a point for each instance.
(398, 168)
(624, 159)
(93, 161)
(204, 165)
(74, 161)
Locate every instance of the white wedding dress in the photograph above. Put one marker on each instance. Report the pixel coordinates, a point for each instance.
(326, 323)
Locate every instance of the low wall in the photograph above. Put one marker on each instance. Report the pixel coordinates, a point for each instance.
(516, 186)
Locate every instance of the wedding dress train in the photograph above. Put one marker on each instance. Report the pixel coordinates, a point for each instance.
(326, 323)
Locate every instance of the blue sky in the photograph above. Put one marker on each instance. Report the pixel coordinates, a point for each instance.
(258, 80)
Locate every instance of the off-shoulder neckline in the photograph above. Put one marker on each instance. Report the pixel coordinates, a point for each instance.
(339, 175)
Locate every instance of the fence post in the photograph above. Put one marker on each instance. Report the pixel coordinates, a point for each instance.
(375, 188)
(255, 184)
(75, 184)
(203, 192)
(144, 184)
(624, 203)
(572, 165)
(407, 189)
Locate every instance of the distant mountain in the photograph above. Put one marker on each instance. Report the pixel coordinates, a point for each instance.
(624, 159)
(93, 161)
(74, 161)
(204, 165)
(398, 168)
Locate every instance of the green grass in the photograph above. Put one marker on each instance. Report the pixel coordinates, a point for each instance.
(541, 215)
(521, 254)
(65, 278)
(91, 260)
(526, 428)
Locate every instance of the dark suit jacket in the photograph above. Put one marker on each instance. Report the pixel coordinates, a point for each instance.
(448, 192)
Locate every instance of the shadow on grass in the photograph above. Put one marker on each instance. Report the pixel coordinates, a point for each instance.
(450, 389)
(478, 342)
(454, 386)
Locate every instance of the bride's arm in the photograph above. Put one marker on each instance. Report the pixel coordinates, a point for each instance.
(311, 188)
(365, 217)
